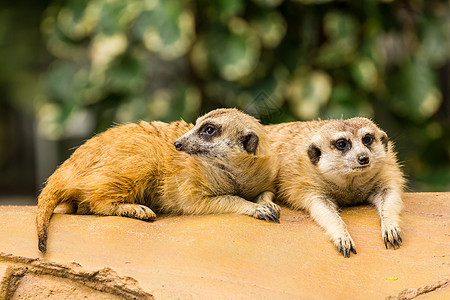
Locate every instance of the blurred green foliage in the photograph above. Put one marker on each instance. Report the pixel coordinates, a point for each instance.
(280, 60)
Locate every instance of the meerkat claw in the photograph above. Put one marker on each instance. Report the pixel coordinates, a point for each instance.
(346, 250)
(396, 240)
(277, 212)
(392, 241)
(393, 238)
(275, 215)
(275, 218)
(268, 217)
(263, 217)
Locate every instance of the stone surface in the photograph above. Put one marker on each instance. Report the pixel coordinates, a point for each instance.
(35, 278)
(233, 256)
(38, 287)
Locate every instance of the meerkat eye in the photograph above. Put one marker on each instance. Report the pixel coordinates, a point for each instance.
(208, 130)
(342, 144)
(368, 139)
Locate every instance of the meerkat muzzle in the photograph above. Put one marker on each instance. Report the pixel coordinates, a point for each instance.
(178, 146)
(363, 160)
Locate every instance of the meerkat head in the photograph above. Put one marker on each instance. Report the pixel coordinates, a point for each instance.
(221, 133)
(348, 148)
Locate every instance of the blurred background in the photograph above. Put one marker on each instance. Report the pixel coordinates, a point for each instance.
(70, 69)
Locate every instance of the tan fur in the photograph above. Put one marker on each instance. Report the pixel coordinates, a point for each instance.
(321, 187)
(133, 170)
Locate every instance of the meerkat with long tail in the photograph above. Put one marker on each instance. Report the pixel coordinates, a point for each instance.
(223, 164)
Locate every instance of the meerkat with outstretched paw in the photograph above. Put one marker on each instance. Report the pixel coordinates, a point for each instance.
(326, 164)
(223, 164)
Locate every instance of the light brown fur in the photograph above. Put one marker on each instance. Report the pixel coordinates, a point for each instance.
(318, 178)
(133, 170)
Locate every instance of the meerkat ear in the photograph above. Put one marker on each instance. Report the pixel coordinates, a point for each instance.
(250, 142)
(314, 154)
(384, 140)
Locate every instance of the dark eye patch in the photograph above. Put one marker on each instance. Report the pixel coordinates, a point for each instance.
(342, 144)
(368, 139)
(209, 130)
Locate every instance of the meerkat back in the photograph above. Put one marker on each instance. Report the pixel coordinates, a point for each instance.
(113, 173)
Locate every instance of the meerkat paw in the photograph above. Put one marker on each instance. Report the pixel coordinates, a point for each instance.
(391, 235)
(136, 211)
(274, 209)
(268, 211)
(345, 245)
(265, 199)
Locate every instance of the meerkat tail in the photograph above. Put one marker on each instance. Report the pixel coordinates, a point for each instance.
(46, 205)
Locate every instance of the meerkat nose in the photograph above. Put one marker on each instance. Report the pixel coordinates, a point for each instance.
(178, 145)
(363, 160)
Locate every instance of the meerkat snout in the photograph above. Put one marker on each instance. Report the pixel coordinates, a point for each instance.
(178, 145)
(201, 140)
(363, 160)
(212, 138)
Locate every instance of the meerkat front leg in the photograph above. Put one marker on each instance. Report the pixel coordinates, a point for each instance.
(238, 205)
(389, 205)
(326, 214)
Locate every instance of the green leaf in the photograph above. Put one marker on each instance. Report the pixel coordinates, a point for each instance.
(435, 41)
(271, 28)
(125, 74)
(235, 52)
(167, 29)
(71, 19)
(268, 3)
(111, 17)
(365, 74)
(340, 49)
(224, 9)
(415, 92)
(308, 93)
(60, 78)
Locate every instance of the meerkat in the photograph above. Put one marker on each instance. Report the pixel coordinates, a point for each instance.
(223, 164)
(326, 164)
